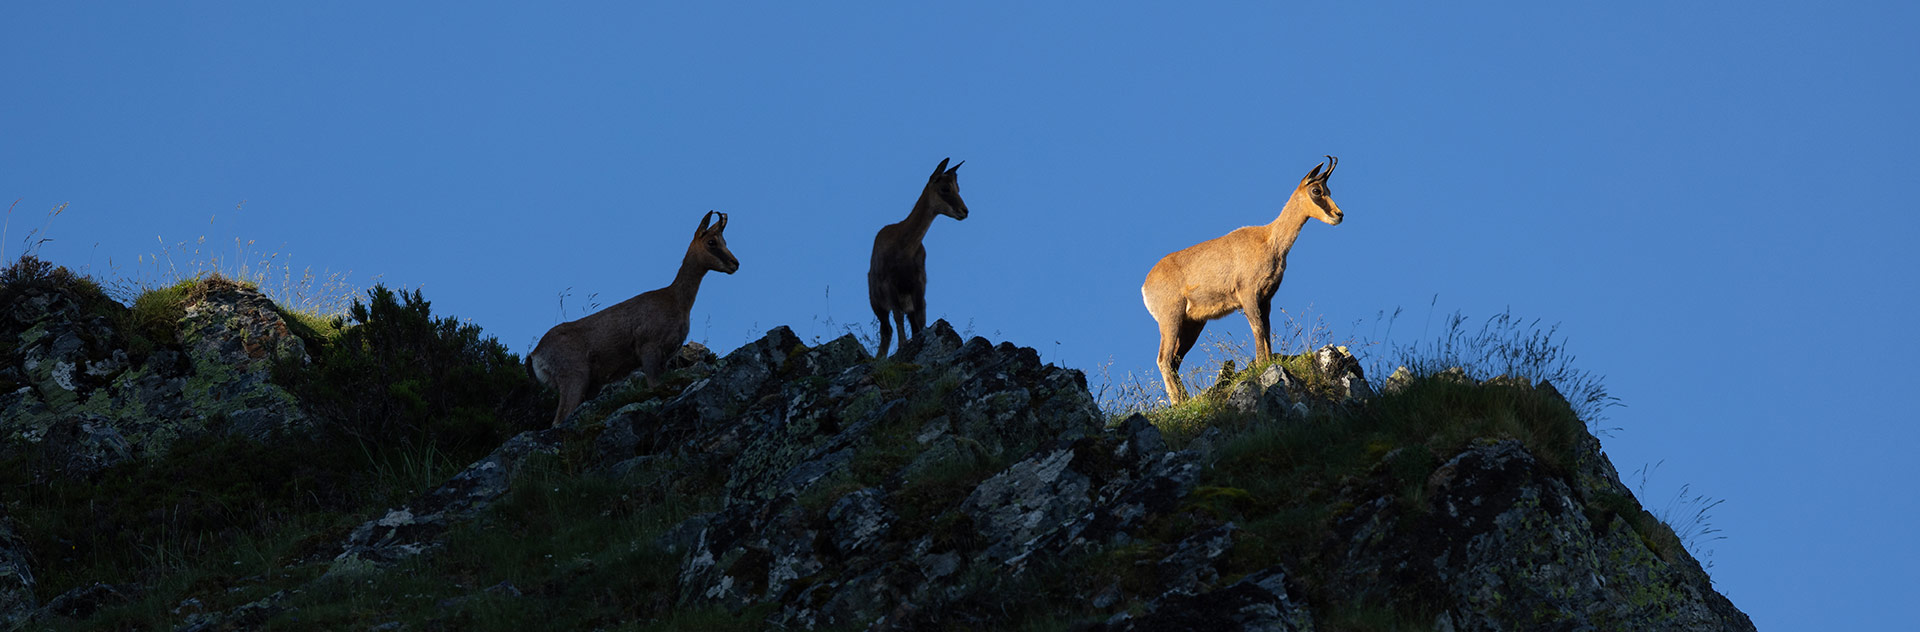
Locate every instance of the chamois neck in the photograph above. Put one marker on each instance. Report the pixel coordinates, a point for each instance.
(1286, 228)
(921, 218)
(686, 283)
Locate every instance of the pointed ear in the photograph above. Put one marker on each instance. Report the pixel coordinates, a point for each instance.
(956, 168)
(942, 168)
(1312, 174)
(702, 230)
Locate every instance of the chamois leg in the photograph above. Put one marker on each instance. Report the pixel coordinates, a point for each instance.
(1260, 317)
(1176, 339)
(919, 315)
(653, 362)
(900, 322)
(886, 332)
(573, 390)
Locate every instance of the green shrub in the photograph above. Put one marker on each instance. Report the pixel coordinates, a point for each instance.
(396, 374)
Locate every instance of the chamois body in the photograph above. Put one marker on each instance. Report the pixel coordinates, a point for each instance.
(1238, 271)
(897, 274)
(576, 358)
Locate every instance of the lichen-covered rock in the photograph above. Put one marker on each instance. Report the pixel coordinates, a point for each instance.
(409, 530)
(1511, 545)
(1036, 496)
(1260, 602)
(233, 336)
(86, 405)
(895, 550)
(16, 579)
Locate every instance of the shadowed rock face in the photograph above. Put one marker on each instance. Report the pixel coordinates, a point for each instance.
(86, 405)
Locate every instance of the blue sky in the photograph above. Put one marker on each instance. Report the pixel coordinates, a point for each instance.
(1711, 199)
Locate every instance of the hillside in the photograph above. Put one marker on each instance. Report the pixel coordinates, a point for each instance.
(205, 460)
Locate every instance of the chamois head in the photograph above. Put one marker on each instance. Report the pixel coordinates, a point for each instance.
(1315, 197)
(943, 191)
(709, 246)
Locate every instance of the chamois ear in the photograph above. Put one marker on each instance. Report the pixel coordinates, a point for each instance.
(1311, 175)
(956, 168)
(702, 230)
(941, 169)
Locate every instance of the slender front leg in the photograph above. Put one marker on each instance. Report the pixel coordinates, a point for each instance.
(900, 322)
(886, 332)
(1259, 315)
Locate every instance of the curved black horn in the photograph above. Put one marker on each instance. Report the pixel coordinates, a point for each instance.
(723, 222)
(1331, 163)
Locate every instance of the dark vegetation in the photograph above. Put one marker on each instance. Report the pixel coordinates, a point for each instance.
(410, 399)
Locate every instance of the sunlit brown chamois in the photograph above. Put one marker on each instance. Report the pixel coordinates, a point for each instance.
(578, 357)
(1237, 271)
(897, 277)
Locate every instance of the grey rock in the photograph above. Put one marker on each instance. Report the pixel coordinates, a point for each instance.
(1259, 602)
(16, 579)
(1343, 372)
(1401, 378)
(89, 407)
(1193, 566)
(83, 601)
(1245, 396)
(1033, 497)
(1504, 539)
(415, 528)
(859, 520)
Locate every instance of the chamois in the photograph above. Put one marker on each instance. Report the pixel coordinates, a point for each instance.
(1237, 271)
(897, 277)
(577, 357)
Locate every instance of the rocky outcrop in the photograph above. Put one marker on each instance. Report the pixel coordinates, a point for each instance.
(417, 527)
(85, 404)
(935, 489)
(1507, 544)
(911, 493)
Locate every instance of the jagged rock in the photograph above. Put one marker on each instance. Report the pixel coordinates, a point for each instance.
(81, 602)
(1193, 566)
(859, 520)
(1401, 378)
(1511, 545)
(1260, 602)
(1343, 372)
(16, 579)
(1034, 497)
(248, 616)
(416, 527)
(1269, 395)
(1245, 396)
(87, 406)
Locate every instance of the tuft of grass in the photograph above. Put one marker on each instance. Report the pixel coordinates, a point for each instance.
(1686, 516)
(1513, 347)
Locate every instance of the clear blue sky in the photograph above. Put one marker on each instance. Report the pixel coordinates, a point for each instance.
(1712, 199)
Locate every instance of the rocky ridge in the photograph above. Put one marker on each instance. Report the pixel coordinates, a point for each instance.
(932, 491)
